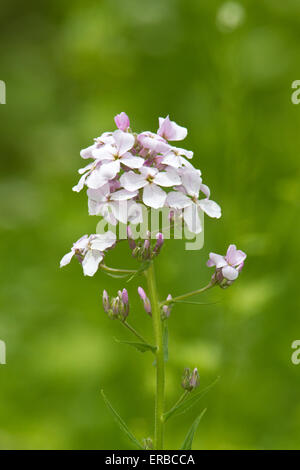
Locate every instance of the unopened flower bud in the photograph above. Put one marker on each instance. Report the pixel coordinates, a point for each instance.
(122, 121)
(132, 244)
(118, 307)
(146, 301)
(145, 252)
(125, 296)
(190, 379)
(105, 300)
(158, 245)
(166, 309)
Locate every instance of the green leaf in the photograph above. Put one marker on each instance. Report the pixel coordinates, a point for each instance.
(189, 402)
(188, 441)
(142, 347)
(122, 425)
(165, 341)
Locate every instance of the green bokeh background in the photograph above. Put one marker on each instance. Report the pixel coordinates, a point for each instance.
(69, 68)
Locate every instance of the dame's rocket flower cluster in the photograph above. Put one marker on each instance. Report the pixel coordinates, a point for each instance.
(127, 170)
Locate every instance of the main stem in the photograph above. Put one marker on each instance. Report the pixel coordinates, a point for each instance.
(160, 365)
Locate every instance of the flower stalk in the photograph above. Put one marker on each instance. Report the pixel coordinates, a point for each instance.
(160, 364)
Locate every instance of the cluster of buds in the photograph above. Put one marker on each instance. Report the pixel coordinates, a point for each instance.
(143, 250)
(145, 300)
(190, 379)
(116, 307)
(166, 308)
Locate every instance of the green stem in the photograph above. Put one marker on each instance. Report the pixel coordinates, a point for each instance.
(117, 270)
(160, 365)
(130, 328)
(189, 294)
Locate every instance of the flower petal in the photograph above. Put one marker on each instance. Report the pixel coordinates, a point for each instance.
(103, 174)
(102, 241)
(87, 153)
(191, 218)
(154, 196)
(132, 181)
(211, 208)
(178, 200)
(124, 141)
(172, 160)
(91, 262)
(131, 161)
(66, 259)
(170, 130)
(217, 260)
(123, 195)
(191, 180)
(135, 213)
(230, 273)
(79, 186)
(234, 256)
(167, 178)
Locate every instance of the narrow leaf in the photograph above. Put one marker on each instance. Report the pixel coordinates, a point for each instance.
(190, 401)
(122, 425)
(188, 441)
(142, 347)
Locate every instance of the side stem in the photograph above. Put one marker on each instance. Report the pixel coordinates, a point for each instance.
(160, 365)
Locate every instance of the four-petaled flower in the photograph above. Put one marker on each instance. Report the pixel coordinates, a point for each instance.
(90, 251)
(151, 179)
(229, 266)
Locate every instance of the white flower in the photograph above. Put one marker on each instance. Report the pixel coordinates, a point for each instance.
(151, 179)
(90, 251)
(112, 206)
(174, 157)
(112, 155)
(187, 199)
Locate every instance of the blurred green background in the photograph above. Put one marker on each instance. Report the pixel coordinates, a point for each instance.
(224, 72)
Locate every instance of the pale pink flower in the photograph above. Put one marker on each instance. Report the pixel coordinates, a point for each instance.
(111, 156)
(90, 251)
(230, 265)
(186, 199)
(175, 157)
(152, 143)
(122, 121)
(151, 180)
(169, 130)
(111, 205)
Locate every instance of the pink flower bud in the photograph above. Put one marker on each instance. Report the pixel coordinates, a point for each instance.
(105, 300)
(146, 301)
(122, 121)
(125, 296)
(166, 309)
(142, 293)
